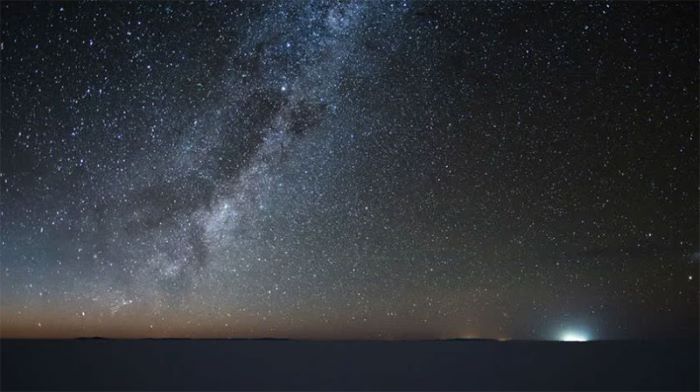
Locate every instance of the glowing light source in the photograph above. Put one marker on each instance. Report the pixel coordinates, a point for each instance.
(573, 336)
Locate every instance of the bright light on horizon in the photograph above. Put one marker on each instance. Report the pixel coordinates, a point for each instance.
(574, 336)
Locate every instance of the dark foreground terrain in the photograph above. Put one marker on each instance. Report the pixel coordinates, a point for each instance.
(286, 364)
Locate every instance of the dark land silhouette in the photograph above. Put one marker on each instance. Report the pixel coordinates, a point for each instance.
(272, 364)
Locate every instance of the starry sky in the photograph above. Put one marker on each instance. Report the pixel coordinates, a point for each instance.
(342, 170)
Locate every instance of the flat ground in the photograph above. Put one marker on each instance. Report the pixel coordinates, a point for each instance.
(288, 364)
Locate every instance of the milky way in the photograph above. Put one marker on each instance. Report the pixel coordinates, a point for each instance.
(344, 170)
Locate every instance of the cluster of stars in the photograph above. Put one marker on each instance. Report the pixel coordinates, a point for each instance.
(361, 169)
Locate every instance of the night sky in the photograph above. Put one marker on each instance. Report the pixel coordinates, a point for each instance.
(374, 170)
